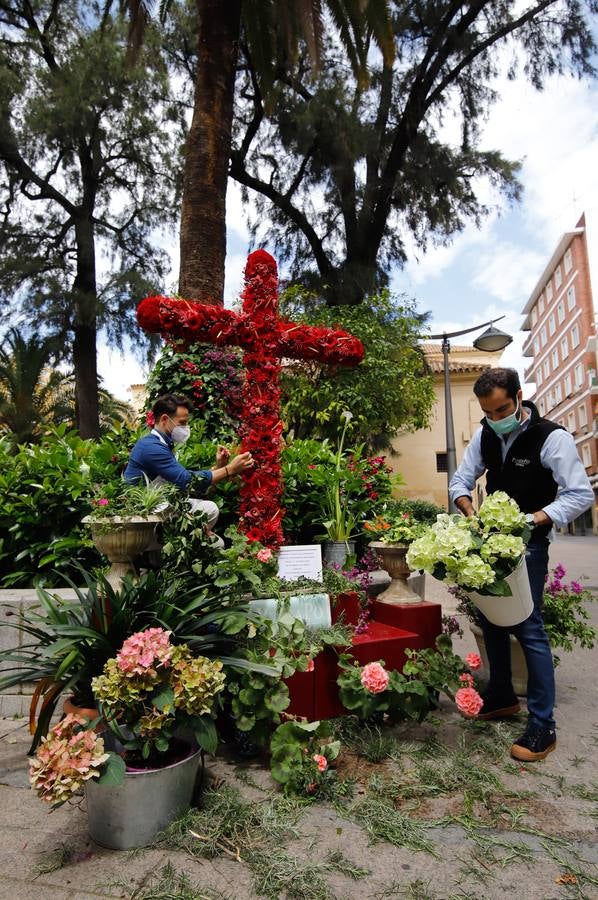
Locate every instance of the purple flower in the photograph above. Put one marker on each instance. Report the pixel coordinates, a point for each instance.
(576, 587)
(559, 572)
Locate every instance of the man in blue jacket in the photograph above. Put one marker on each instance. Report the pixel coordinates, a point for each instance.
(153, 456)
(535, 462)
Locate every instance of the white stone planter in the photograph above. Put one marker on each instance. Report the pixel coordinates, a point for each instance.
(121, 540)
(394, 561)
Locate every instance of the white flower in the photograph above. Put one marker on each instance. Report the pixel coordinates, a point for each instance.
(347, 415)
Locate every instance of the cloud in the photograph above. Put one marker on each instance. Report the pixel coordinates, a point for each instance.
(507, 271)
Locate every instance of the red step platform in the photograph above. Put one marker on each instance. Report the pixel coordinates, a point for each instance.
(392, 629)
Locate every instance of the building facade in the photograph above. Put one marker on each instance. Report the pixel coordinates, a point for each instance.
(421, 457)
(562, 346)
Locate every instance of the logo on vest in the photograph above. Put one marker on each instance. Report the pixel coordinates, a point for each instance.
(520, 463)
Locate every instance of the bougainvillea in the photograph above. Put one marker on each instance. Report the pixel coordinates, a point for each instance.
(265, 339)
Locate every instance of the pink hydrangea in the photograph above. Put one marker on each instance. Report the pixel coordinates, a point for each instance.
(65, 759)
(264, 555)
(374, 678)
(320, 761)
(467, 679)
(474, 661)
(469, 702)
(145, 650)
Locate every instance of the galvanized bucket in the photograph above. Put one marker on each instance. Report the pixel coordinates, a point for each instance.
(131, 814)
(337, 551)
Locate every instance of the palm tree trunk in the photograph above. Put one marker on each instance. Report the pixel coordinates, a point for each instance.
(203, 214)
(85, 328)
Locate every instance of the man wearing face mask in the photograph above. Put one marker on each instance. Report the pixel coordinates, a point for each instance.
(535, 462)
(153, 456)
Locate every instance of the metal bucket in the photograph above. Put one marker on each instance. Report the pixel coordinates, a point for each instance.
(337, 551)
(131, 814)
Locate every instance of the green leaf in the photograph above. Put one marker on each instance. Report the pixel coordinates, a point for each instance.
(205, 733)
(114, 770)
(163, 698)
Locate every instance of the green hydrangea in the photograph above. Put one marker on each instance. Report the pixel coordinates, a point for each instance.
(502, 546)
(453, 538)
(195, 681)
(471, 572)
(115, 688)
(499, 512)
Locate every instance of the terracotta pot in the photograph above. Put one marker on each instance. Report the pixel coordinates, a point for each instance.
(393, 558)
(121, 540)
(518, 663)
(86, 712)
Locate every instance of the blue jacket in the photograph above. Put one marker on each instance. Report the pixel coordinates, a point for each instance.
(153, 455)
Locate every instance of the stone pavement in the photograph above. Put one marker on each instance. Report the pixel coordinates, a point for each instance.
(49, 855)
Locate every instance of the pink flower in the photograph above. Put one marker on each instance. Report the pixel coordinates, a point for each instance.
(467, 679)
(374, 678)
(469, 702)
(474, 661)
(310, 665)
(264, 555)
(150, 419)
(103, 501)
(144, 650)
(320, 761)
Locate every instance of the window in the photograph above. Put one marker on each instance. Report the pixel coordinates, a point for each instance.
(571, 426)
(558, 393)
(551, 325)
(564, 348)
(579, 376)
(541, 407)
(558, 277)
(549, 292)
(541, 304)
(539, 377)
(441, 462)
(534, 315)
(536, 346)
(586, 455)
(574, 337)
(555, 359)
(571, 297)
(568, 260)
(582, 414)
(560, 312)
(546, 368)
(568, 385)
(549, 401)
(543, 337)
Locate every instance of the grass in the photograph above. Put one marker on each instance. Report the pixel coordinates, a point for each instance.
(172, 885)
(368, 741)
(54, 861)
(380, 819)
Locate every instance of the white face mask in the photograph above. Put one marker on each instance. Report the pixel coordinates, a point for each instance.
(180, 433)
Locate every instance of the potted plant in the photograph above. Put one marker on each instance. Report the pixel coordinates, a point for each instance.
(393, 533)
(122, 522)
(338, 519)
(565, 618)
(157, 699)
(482, 554)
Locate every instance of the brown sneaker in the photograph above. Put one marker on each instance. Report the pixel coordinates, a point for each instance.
(535, 744)
(493, 709)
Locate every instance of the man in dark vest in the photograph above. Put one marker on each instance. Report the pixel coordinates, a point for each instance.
(536, 463)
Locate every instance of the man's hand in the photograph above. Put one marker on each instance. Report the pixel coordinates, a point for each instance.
(465, 506)
(240, 463)
(222, 457)
(541, 518)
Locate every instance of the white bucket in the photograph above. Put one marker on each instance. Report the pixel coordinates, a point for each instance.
(507, 611)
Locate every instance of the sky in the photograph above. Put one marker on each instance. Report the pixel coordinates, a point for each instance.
(487, 272)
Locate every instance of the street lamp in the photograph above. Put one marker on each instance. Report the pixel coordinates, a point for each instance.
(491, 341)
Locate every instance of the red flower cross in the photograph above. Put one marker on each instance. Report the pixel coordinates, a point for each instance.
(265, 339)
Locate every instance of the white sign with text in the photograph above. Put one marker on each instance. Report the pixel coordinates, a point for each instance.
(300, 561)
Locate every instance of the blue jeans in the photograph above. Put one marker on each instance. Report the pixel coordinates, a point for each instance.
(534, 643)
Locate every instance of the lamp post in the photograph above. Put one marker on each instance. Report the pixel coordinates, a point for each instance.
(491, 341)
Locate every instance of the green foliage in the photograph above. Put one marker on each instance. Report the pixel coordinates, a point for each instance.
(388, 392)
(45, 491)
(421, 510)
(309, 466)
(210, 377)
(293, 747)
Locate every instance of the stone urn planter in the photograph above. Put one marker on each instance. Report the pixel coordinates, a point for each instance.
(121, 540)
(131, 814)
(518, 663)
(395, 563)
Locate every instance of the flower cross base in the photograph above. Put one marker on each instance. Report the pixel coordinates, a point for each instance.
(394, 562)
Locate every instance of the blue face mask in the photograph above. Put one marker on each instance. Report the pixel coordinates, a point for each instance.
(508, 424)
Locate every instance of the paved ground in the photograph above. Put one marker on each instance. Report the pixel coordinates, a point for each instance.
(497, 830)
